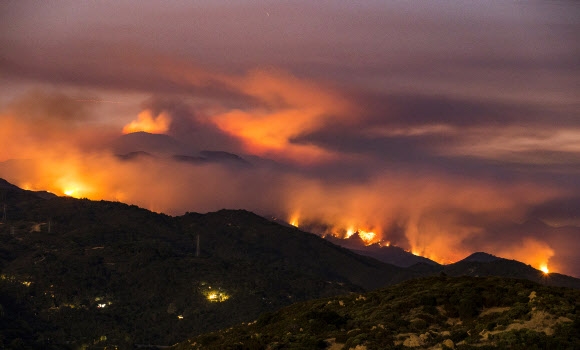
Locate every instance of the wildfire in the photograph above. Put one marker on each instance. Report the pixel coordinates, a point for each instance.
(351, 231)
(74, 189)
(294, 220)
(544, 269)
(70, 192)
(366, 236)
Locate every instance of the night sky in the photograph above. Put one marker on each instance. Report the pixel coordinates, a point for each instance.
(445, 127)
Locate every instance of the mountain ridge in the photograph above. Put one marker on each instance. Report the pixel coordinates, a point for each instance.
(96, 268)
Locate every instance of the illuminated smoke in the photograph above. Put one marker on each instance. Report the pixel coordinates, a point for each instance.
(430, 208)
(150, 123)
(531, 251)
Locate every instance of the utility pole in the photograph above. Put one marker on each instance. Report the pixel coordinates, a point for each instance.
(198, 249)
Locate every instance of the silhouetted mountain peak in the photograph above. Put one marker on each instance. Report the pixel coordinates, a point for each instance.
(146, 142)
(135, 155)
(17, 193)
(481, 257)
(213, 157)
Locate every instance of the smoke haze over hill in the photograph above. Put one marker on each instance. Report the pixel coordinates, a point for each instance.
(444, 128)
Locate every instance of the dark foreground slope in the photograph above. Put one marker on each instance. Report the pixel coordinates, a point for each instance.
(83, 272)
(435, 312)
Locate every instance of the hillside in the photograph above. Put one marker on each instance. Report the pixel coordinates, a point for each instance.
(436, 312)
(76, 272)
(86, 272)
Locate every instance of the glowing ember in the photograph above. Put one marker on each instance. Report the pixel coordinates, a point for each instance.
(544, 269)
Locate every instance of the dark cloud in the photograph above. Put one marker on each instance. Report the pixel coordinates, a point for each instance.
(558, 212)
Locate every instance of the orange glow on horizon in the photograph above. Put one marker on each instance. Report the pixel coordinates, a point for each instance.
(544, 269)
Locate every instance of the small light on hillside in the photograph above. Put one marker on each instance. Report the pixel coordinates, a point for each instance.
(216, 296)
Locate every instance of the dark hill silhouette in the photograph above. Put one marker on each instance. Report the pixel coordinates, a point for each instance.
(213, 157)
(116, 269)
(143, 145)
(135, 156)
(481, 257)
(146, 142)
(95, 268)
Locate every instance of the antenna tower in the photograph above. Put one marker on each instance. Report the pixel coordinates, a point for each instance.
(197, 248)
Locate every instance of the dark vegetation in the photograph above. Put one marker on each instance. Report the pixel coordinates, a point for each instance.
(435, 311)
(81, 272)
(95, 274)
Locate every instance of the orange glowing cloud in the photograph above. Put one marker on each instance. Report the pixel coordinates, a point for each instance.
(426, 207)
(148, 122)
(293, 108)
(39, 122)
(287, 108)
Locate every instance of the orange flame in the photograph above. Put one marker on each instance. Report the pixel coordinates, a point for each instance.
(294, 220)
(367, 236)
